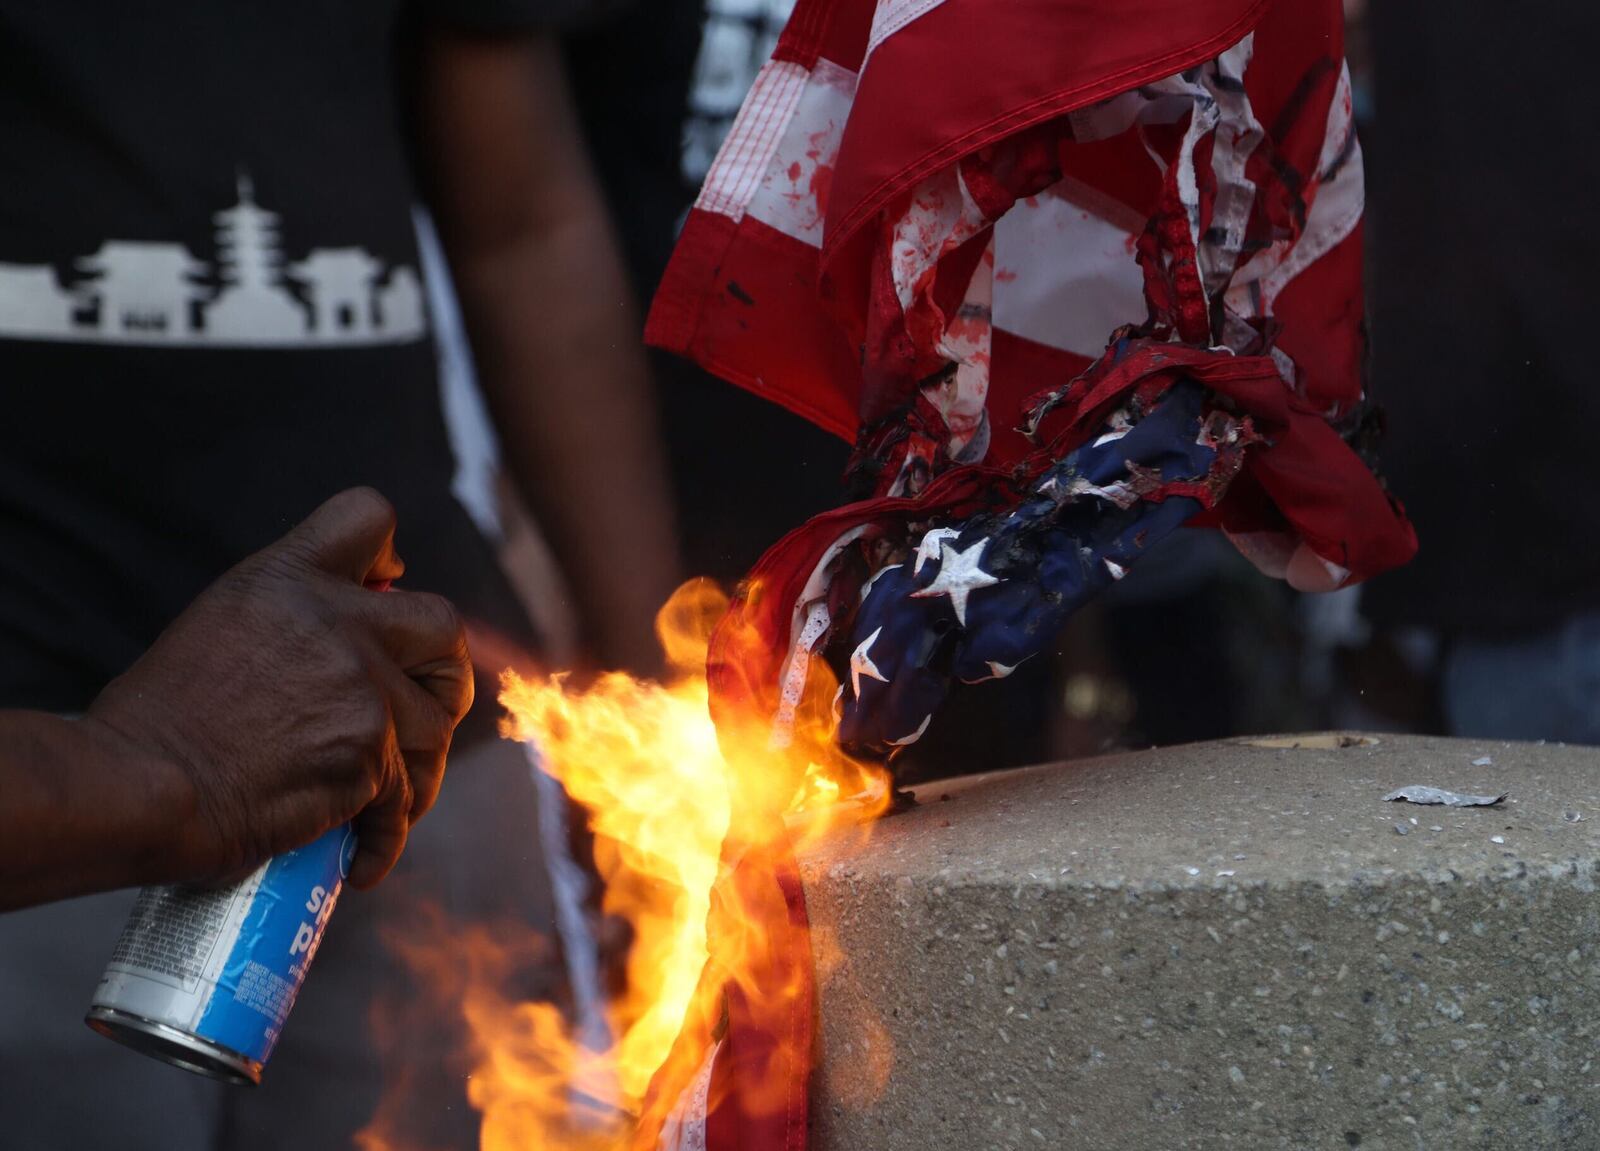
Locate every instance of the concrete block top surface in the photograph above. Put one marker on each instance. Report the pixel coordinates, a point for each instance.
(1276, 810)
(1232, 945)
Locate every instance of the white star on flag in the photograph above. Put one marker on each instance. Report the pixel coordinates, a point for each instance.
(998, 670)
(866, 589)
(960, 574)
(861, 664)
(928, 549)
(914, 736)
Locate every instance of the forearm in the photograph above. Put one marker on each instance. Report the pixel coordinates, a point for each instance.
(557, 340)
(80, 811)
(554, 327)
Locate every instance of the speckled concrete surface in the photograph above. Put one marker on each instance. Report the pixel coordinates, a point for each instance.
(1220, 945)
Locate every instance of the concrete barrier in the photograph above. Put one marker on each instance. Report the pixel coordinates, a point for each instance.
(1222, 945)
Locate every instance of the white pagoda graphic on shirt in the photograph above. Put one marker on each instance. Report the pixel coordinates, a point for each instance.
(133, 292)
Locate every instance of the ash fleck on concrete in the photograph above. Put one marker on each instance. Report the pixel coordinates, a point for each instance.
(1347, 987)
(1417, 793)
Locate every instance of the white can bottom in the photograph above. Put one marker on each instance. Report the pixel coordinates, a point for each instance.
(173, 1045)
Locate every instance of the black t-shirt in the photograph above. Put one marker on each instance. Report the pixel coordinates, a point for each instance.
(211, 312)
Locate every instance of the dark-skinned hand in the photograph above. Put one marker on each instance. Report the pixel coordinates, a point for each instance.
(291, 697)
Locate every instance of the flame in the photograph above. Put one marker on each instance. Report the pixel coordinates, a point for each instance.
(674, 807)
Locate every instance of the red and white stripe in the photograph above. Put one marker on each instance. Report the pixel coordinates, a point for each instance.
(1063, 270)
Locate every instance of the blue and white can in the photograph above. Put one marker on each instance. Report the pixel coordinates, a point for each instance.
(206, 979)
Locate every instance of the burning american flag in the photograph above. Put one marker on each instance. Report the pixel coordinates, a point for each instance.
(1068, 277)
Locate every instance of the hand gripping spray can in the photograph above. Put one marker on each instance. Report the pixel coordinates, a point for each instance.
(205, 979)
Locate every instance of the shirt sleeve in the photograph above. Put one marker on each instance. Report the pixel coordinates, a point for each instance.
(511, 17)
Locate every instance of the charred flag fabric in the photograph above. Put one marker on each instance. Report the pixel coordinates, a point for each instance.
(1069, 277)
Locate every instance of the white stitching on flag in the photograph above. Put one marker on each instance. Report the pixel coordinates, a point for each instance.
(746, 153)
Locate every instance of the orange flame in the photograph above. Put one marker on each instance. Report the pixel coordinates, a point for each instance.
(672, 807)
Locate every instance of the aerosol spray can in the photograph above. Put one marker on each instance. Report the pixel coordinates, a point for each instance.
(205, 979)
